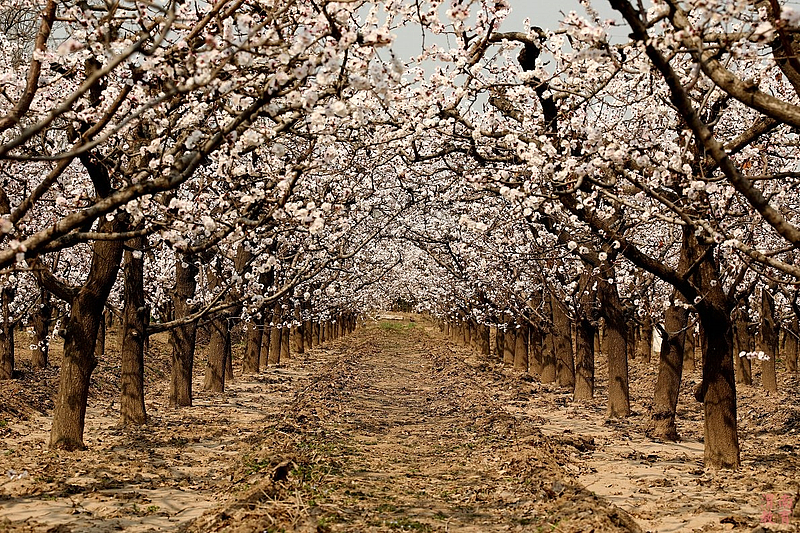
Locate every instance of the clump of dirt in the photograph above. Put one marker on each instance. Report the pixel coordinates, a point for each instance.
(30, 393)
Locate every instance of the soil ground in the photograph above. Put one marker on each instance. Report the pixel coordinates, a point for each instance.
(392, 428)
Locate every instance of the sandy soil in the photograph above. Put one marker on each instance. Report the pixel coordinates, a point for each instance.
(389, 429)
(663, 485)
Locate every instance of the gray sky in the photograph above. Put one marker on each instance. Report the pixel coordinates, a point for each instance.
(542, 13)
(548, 13)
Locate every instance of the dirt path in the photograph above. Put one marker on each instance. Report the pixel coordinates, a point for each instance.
(395, 433)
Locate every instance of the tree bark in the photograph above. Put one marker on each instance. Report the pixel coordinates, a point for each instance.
(548, 372)
(86, 312)
(41, 321)
(308, 327)
(791, 345)
(183, 338)
(275, 336)
(585, 334)
(218, 352)
(742, 343)
(615, 348)
(521, 347)
(499, 342)
(689, 349)
(769, 341)
(229, 377)
(265, 347)
(670, 370)
(535, 340)
(509, 345)
(135, 315)
(6, 334)
(718, 390)
(484, 344)
(298, 337)
(100, 344)
(252, 349)
(219, 349)
(285, 351)
(644, 346)
(562, 344)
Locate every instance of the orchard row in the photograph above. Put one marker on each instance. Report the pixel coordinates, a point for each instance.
(276, 163)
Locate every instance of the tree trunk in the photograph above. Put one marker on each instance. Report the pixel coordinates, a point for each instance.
(265, 347)
(562, 344)
(585, 334)
(791, 345)
(499, 342)
(769, 341)
(135, 316)
(219, 348)
(41, 321)
(285, 352)
(548, 372)
(274, 346)
(670, 370)
(644, 346)
(308, 329)
(521, 347)
(509, 345)
(296, 344)
(742, 345)
(252, 348)
(597, 343)
(275, 336)
(615, 348)
(535, 360)
(100, 343)
(484, 343)
(7, 335)
(689, 349)
(229, 378)
(86, 312)
(183, 338)
(463, 333)
(718, 390)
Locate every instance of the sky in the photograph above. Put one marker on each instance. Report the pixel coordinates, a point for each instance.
(548, 13)
(542, 13)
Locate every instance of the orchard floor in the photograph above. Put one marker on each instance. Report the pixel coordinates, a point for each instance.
(392, 428)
